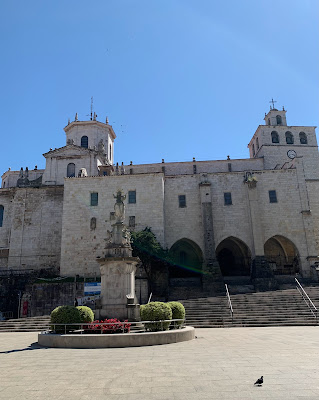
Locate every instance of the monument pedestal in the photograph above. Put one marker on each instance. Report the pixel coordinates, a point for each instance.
(118, 287)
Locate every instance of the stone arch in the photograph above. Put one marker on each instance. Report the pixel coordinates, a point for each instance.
(274, 137)
(289, 138)
(282, 255)
(303, 138)
(186, 259)
(234, 257)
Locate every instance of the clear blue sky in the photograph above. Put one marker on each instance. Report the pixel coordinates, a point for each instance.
(177, 78)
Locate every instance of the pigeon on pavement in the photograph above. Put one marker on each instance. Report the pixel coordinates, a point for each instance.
(259, 381)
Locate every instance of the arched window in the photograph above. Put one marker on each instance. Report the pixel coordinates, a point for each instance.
(257, 143)
(70, 172)
(289, 138)
(278, 120)
(1, 215)
(254, 153)
(268, 121)
(110, 152)
(274, 137)
(84, 141)
(303, 138)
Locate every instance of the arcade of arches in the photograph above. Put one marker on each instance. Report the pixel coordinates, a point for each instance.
(282, 255)
(234, 257)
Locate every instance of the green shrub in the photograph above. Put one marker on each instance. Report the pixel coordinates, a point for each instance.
(65, 315)
(87, 314)
(156, 311)
(178, 311)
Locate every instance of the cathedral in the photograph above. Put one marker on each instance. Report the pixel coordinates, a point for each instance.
(255, 219)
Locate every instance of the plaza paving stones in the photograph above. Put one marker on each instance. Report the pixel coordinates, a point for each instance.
(219, 364)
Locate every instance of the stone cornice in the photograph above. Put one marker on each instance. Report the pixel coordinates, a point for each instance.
(79, 149)
(88, 123)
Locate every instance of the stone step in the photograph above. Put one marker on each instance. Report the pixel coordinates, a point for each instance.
(275, 308)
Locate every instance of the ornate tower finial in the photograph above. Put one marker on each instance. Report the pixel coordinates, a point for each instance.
(107, 121)
(68, 121)
(76, 117)
(94, 116)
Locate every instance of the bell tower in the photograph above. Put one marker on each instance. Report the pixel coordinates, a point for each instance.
(275, 117)
(94, 135)
(279, 144)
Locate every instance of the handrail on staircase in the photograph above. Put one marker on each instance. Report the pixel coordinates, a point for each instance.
(149, 299)
(307, 299)
(229, 303)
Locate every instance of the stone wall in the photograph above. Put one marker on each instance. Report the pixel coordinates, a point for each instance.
(81, 243)
(32, 227)
(45, 297)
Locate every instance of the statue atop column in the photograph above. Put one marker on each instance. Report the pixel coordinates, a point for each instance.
(119, 207)
(118, 267)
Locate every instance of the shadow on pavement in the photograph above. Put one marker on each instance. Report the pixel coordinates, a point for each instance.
(33, 346)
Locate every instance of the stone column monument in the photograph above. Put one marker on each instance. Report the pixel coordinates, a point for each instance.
(118, 267)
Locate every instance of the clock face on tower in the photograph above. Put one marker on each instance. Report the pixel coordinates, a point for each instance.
(291, 154)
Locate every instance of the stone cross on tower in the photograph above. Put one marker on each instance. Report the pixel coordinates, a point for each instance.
(273, 103)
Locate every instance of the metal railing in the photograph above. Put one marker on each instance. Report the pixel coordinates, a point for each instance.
(229, 303)
(149, 299)
(311, 306)
(123, 326)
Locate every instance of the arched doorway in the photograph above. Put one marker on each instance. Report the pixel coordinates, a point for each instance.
(282, 255)
(234, 257)
(186, 259)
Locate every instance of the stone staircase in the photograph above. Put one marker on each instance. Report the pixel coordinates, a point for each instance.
(31, 324)
(274, 308)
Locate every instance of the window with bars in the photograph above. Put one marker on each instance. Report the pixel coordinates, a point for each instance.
(227, 199)
(272, 196)
(132, 196)
(94, 199)
(84, 141)
(182, 201)
(70, 171)
(131, 221)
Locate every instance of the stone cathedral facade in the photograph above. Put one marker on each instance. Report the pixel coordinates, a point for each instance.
(256, 217)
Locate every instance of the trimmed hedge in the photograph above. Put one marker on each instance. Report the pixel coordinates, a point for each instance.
(156, 311)
(65, 315)
(178, 311)
(87, 314)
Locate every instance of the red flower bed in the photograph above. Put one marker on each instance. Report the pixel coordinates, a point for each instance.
(114, 326)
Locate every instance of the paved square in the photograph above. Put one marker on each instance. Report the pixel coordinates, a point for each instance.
(219, 364)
